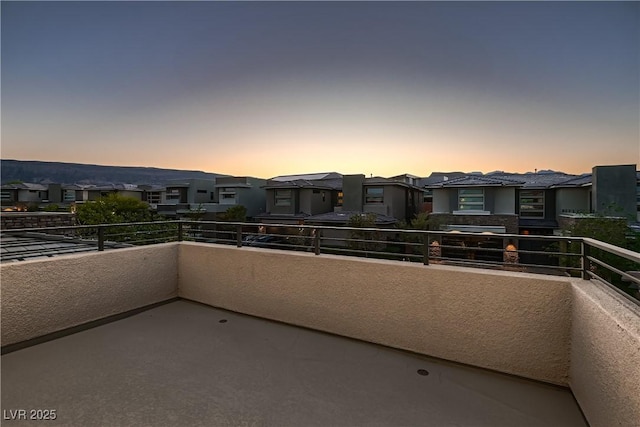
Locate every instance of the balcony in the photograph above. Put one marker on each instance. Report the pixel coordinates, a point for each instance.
(190, 333)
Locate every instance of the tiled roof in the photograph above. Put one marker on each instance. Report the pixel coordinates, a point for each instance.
(477, 181)
(25, 186)
(579, 181)
(324, 184)
(377, 180)
(307, 177)
(525, 180)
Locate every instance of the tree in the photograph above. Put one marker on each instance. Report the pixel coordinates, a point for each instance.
(113, 209)
(612, 230)
(421, 221)
(367, 220)
(116, 209)
(237, 213)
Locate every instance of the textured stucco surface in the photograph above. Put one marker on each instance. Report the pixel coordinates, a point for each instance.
(511, 322)
(605, 356)
(44, 296)
(179, 365)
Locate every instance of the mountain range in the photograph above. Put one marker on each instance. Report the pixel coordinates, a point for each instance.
(76, 173)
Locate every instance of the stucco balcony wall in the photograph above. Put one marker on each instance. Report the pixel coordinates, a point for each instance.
(510, 322)
(559, 330)
(45, 296)
(605, 355)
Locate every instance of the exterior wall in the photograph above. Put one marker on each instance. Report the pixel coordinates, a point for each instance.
(312, 203)
(394, 202)
(206, 185)
(35, 196)
(55, 193)
(572, 200)
(504, 200)
(605, 355)
(95, 194)
(441, 202)
(279, 210)
(614, 185)
(510, 222)
(40, 297)
(254, 198)
(133, 194)
(511, 322)
(353, 192)
(12, 220)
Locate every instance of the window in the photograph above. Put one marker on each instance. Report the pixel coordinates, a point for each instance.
(373, 195)
(638, 196)
(69, 195)
(173, 194)
(153, 198)
(283, 197)
(532, 203)
(228, 196)
(427, 196)
(471, 199)
(201, 191)
(340, 198)
(6, 195)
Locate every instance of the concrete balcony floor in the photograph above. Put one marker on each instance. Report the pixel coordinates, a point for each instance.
(187, 364)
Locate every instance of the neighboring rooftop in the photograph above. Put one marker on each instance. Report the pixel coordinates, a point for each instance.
(33, 245)
(307, 176)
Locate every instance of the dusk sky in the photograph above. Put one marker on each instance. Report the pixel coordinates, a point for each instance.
(273, 88)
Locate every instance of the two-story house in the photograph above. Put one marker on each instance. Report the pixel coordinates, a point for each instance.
(23, 194)
(211, 198)
(290, 199)
(185, 196)
(389, 200)
(240, 191)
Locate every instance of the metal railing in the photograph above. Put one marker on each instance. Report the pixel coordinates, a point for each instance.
(617, 267)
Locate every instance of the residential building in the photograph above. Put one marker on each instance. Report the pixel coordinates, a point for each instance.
(26, 193)
(241, 191)
(290, 199)
(154, 195)
(210, 198)
(531, 203)
(382, 196)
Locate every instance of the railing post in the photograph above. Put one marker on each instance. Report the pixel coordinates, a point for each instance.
(180, 232)
(316, 241)
(101, 238)
(586, 264)
(239, 236)
(425, 249)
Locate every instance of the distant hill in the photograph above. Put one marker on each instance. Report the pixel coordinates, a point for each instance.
(71, 173)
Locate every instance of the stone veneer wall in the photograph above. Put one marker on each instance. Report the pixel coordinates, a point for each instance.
(510, 222)
(13, 220)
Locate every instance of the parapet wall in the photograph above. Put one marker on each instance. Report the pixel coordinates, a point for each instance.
(605, 355)
(559, 330)
(510, 322)
(44, 296)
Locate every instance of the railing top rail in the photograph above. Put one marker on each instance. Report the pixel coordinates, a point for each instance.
(317, 227)
(616, 250)
(393, 230)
